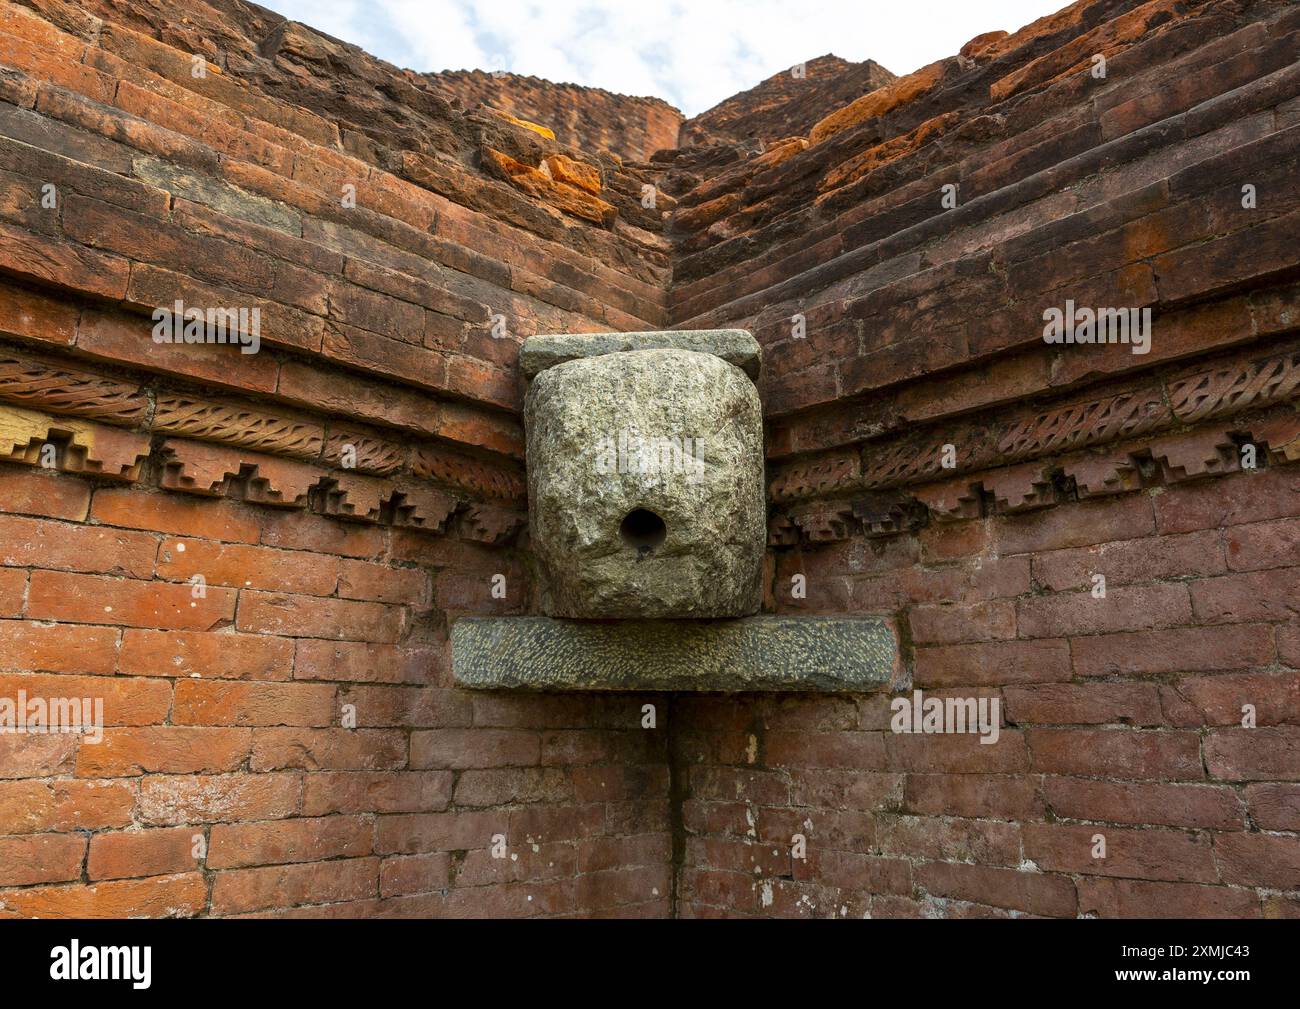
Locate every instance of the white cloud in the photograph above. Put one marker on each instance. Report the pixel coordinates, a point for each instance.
(692, 54)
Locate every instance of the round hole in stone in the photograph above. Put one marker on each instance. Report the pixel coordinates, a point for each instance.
(642, 529)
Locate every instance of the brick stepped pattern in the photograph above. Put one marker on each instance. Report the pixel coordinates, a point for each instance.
(932, 457)
(787, 104)
(587, 118)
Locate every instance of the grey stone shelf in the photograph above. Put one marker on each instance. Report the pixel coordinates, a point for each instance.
(761, 653)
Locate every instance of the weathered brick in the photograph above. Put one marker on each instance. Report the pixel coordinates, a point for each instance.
(1133, 608)
(1138, 854)
(1254, 754)
(1239, 599)
(143, 853)
(56, 496)
(1274, 806)
(312, 617)
(276, 749)
(177, 799)
(1211, 806)
(236, 890)
(33, 807)
(462, 748)
(947, 625)
(179, 896)
(1121, 753)
(170, 513)
(126, 700)
(1037, 893)
(28, 542)
(164, 750)
(1135, 898)
(217, 656)
(1270, 860)
(1189, 649)
(96, 599)
(241, 566)
(996, 797)
(376, 792)
(993, 663)
(1083, 704)
(226, 702)
(236, 845)
(40, 858)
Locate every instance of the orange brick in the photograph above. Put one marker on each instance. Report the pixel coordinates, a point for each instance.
(309, 616)
(27, 542)
(304, 531)
(160, 897)
(218, 702)
(33, 756)
(59, 65)
(62, 264)
(28, 807)
(247, 566)
(165, 749)
(174, 513)
(211, 656)
(363, 662)
(13, 587)
(168, 800)
(135, 853)
(56, 648)
(40, 858)
(122, 338)
(37, 317)
(96, 599)
(127, 701)
(383, 584)
(54, 495)
(376, 792)
(239, 890)
(279, 749)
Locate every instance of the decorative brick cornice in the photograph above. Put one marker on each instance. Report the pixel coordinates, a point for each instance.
(1198, 453)
(75, 445)
(285, 461)
(1032, 434)
(31, 381)
(235, 425)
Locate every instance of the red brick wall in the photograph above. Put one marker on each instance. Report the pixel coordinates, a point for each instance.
(287, 740)
(227, 782)
(932, 457)
(1121, 716)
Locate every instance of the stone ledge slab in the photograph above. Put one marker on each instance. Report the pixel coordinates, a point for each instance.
(776, 653)
(735, 346)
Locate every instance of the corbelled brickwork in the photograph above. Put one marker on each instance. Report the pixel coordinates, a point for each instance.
(1102, 541)
(589, 118)
(255, 559)
(787, 104)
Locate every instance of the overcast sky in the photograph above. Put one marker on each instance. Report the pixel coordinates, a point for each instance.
(692, 54)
